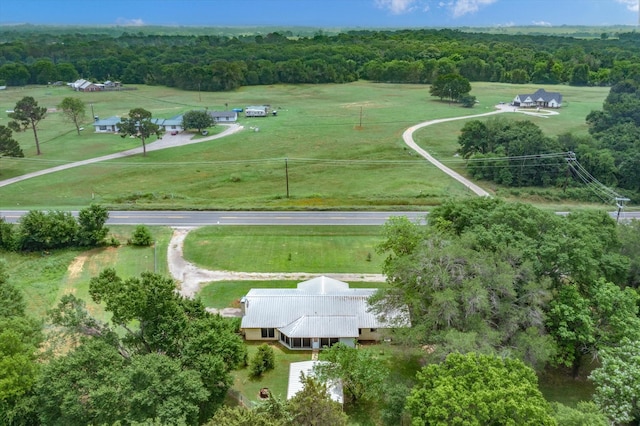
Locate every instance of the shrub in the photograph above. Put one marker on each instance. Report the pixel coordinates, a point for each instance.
(263, 361)
(141, 237)
(7, 238)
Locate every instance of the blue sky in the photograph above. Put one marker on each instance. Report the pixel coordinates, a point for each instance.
(323, 13)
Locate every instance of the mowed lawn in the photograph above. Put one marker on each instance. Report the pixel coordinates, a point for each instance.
(312, 249)
(330, 147)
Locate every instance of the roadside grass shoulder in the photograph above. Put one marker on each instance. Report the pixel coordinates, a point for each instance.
(312, 249)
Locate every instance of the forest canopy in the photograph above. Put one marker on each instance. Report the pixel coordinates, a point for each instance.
(214, 62)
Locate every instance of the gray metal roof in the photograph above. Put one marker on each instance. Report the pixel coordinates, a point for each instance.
(321, 307)
(542, 95)
(306, 367)
(323, 326)
(107, 121)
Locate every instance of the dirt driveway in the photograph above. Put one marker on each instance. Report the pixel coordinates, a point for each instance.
(191, 277)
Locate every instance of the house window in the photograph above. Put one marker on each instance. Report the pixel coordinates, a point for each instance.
(373, 330)
(173, 127)
(359, 332)
(328, 342)
(306, 342)
(268, 332)
(103, 127)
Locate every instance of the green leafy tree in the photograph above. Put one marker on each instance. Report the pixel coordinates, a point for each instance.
(263, 360)
(7, 235)
(140, 125)
(468, 101)
(27, 114)
(468, 293)
(20, 340)
(450, 86)
(41, 230)
(476, 389)
(361, 372)
(92, 225)
(141, 236)
(241, 416)
(74, 110)
(584, 414)
(8, 146)
(157, 387)
(83, 387)
(197, 119)
(617, 382)
(169, 324)
(629, 234)
(313, 406)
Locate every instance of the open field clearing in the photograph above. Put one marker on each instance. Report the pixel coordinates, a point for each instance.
(330, 147)
(44, 277)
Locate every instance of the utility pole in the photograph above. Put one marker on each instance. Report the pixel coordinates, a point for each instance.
(92, 114)
(571, 157)
(286, 173)
(360, 125)
(620, 204)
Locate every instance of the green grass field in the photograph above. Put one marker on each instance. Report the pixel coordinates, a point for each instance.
(342, 143)
(44, 277)
(313, 249)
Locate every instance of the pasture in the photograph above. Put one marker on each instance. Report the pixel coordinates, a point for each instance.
(330, 147)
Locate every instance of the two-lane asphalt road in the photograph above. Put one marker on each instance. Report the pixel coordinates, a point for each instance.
(201, 218)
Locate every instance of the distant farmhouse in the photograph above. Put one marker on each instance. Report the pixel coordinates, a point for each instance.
(110, 125)
(83, 85)
(224, 116)
(539, 99)
(171, 125)
(318, 313)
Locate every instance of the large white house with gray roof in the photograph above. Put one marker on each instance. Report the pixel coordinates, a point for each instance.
(540, 99)
(319, 312)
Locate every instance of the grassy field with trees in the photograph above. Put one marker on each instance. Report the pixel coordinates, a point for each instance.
(542, 306)
(342, 145)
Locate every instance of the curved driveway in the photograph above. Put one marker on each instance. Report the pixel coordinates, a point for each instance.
(167, 141)
(407, 136)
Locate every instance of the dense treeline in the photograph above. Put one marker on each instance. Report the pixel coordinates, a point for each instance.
(216, 62)
(512, 281)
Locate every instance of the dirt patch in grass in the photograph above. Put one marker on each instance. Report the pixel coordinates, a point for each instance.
(75, 268)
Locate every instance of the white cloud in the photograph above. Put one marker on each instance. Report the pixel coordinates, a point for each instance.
(464, 7)
(632, 5)
(541, 23)
(397, 7)
(130, 22)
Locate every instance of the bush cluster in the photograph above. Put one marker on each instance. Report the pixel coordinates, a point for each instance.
(46, 230)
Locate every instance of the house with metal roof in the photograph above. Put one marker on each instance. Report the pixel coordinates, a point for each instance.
(317, 313)
(540, 99)
(83, 85)
(224, 116)
(107, 125)
(171, 125)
